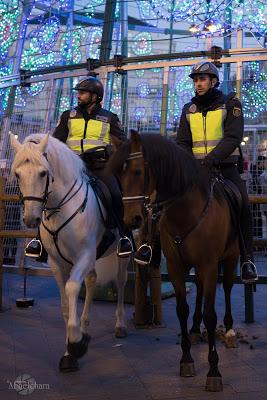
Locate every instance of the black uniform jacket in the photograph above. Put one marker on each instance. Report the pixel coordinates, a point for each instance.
(62, 130)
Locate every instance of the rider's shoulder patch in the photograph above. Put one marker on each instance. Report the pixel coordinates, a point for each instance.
(192, 109)
(73, 113)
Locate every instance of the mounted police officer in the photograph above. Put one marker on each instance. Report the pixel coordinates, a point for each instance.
(211, 127)
(86, 130)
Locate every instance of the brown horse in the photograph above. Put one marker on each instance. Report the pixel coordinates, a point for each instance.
(195, 229)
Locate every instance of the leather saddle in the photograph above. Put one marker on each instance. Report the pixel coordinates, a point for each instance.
(233, 198)
(95, 160)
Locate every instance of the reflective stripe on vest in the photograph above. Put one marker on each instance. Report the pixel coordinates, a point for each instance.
(206, 131)
(97, 134)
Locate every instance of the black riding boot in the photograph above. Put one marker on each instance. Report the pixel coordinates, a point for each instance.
(248, 270)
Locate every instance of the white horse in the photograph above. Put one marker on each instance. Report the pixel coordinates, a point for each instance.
(58, 197)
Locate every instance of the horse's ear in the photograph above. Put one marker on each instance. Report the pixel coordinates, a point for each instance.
(43, 143)
(135, 137)
(16, 145)
(116, 142)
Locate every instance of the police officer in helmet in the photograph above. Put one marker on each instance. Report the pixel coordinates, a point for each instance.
(211, 127)
(87, 130)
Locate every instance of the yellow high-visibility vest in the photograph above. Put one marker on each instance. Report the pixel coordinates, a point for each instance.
(207, 131)
(97, 134)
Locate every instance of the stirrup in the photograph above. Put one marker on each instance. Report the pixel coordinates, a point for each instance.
(254, 269)
(143, 261)
(31, 251)
(124, 249)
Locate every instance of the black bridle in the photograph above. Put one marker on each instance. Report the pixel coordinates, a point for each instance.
(145, 197)
(154, 209)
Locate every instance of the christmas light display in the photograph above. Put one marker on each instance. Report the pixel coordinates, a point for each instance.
(254, 90)
(70, 45)
(47, 33)
(143, 90)
(94, 41)
(9, 26)
(4, 93)
(146, 12)
(142, 44)
(64, 104)
(139, 113)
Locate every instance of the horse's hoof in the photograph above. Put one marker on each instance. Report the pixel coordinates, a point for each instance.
(230, 342)
(68, 364)
(195, 338)
(120, 332)
(187, 370)
(78, 349)
(214, 384)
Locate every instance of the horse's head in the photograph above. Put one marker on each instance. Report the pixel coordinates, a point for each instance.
(31, 168)
(133, 173)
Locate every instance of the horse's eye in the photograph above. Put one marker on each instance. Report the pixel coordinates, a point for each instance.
(42, 174)
(16, 175)
(137, 172)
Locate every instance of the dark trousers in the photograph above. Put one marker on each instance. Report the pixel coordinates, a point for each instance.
(245, 218)
(117, 205)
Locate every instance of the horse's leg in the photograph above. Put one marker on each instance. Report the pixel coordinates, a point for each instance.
(177, 278)
(195, 335)
(214, 378)
(89, 281)
(228, 282)
(67, 362)
(77, 340)
(121, 326)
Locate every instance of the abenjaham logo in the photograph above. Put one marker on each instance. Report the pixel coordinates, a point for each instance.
(26, 384)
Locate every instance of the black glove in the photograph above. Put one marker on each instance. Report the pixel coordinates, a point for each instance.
(210, 163)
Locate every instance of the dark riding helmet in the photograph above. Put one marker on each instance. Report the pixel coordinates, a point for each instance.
(204, 67)
(93, 85)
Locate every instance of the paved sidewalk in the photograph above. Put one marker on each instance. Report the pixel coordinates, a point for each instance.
(143, 366)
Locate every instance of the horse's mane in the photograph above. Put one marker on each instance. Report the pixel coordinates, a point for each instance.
(63, 161)
(173, 168)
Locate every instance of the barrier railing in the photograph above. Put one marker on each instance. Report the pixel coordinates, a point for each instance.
(248, 288)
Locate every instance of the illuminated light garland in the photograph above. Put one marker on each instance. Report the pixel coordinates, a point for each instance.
(4, 93)
(184, 9)
(64, 104)
(142, 44)
(139, 113)
(116, 103)
(9, 26)
(156, 115)
(19, 98)
(254, 90)
(143, 90)
(94, 39)
(71, 52)
(180, 92)
(47, 33)
(146, 12)
(35, 88)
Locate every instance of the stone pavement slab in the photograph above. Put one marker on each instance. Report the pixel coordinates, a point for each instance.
(144, 367)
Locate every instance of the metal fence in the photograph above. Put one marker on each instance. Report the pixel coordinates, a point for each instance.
(149, 97)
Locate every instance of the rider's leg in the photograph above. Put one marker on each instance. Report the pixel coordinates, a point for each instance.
(248, 269)
(125, 246)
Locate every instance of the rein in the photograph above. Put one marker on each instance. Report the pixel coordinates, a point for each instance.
(55, 233)
(154, 209)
